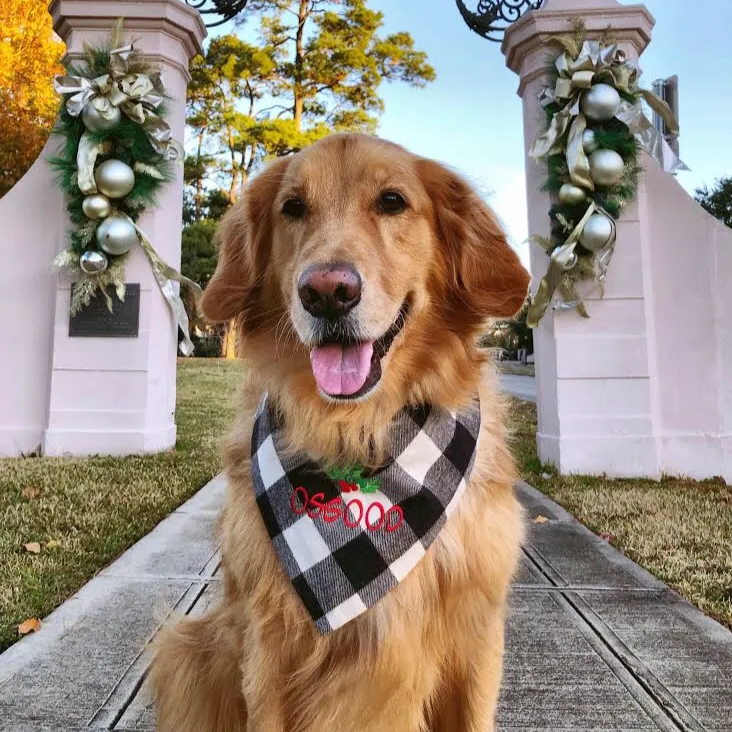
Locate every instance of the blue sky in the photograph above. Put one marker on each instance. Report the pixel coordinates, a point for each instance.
(471, 119)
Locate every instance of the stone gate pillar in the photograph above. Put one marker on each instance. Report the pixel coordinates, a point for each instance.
(117, 395)
(640, 388)
(596, 404)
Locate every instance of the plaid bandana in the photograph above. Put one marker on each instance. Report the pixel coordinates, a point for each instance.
(345, 537)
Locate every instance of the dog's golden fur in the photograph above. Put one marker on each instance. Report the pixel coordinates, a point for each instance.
(428, 655)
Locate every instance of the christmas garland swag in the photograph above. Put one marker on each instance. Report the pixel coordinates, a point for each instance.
(118, 151)
(596, 128)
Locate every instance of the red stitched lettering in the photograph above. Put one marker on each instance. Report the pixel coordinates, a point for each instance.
(347, 513)
(377, 526)
(332, 511)
(336, 508)
(397, 510)
(293, 495)
(316, 502)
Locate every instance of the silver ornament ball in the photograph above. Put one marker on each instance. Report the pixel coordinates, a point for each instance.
(571, 195)
(116, 235)
(606, 167)
(92, 262)
(600, 103)
(114, 178)
(94, 122)
(96, 206)
(589, 142)
(597, 233)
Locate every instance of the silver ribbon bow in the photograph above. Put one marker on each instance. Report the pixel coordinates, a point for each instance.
(135, 95)
(594, 64)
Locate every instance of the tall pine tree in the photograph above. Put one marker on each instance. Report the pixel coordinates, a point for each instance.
(717, 200)
(317, 67)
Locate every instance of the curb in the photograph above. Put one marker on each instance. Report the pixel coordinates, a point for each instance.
(63, 619)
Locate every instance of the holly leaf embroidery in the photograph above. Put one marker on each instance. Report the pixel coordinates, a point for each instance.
(354, 475)
(370, 485)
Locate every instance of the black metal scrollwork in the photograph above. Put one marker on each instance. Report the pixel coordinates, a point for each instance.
(492, 17)
(489, 20)
(218, 12)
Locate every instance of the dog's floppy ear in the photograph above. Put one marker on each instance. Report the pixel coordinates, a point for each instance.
(485, 272)
(245, 241)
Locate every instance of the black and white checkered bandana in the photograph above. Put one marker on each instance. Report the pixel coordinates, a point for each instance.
(346, 538)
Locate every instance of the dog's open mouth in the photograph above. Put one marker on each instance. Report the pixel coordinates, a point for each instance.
(345, 369)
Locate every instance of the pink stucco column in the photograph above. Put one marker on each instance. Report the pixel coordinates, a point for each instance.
(642, 388)
(33, 225)
(117, 395)
(596, 403)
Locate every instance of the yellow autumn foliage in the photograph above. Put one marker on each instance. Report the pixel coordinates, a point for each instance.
(30, 56)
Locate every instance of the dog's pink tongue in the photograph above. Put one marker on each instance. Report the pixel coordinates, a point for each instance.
(341, 370)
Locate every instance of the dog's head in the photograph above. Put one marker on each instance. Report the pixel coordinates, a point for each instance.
(359, 269)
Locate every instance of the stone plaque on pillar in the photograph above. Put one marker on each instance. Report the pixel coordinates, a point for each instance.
(96, 320)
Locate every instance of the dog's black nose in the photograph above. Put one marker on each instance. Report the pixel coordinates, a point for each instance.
(329, 290)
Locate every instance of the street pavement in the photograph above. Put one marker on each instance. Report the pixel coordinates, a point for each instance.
(521, 387)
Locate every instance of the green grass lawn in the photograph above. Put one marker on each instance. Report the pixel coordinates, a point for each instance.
(91, 510)
(680, 530)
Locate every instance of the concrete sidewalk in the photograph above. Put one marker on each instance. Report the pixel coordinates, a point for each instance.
(593, 641)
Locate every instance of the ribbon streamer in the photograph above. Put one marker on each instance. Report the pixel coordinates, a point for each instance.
(577, 161)
(165, 275)
(86, 158)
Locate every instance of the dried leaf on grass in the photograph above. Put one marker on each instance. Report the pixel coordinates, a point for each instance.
(32, 547)
(31, 492)
(32, 625)
(541, 520)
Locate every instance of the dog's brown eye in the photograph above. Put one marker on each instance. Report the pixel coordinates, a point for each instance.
(391, 202)
(294, 208)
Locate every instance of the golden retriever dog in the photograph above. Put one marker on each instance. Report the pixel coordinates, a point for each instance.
(355, 246)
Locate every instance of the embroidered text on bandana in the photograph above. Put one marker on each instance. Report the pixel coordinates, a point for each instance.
(346, 539)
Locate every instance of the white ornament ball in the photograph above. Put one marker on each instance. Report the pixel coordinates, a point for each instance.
(114, 178)
(600, 103)
(93, 262)
(116, 235)
(589, 142)
(94, 122)
(597, 233)
(606, 167)
(571, 195)
(96, 206)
